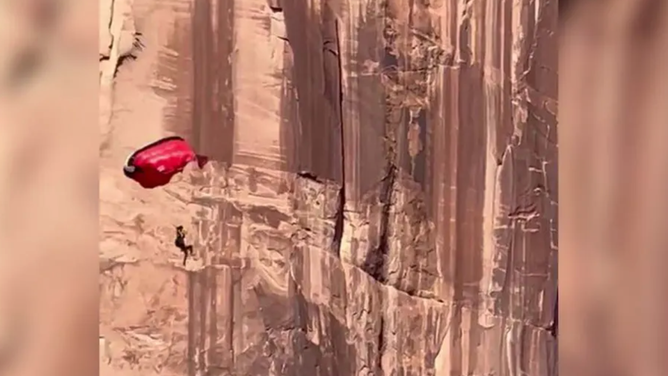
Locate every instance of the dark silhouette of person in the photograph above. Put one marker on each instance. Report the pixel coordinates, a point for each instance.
(180, 243)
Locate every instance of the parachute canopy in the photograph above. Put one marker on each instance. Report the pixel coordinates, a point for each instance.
(155, 164)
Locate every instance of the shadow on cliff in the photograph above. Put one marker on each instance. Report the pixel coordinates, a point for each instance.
(311, 134)
(197, 81)
(286, 344)
(312, 139)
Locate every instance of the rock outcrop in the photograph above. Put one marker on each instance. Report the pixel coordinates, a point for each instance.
(382, 201)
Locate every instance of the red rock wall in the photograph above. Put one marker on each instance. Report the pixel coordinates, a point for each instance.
(384, 196)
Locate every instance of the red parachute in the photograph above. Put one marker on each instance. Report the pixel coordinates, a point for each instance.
(155, 164)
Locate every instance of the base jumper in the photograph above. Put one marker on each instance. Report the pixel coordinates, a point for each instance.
(180, 243)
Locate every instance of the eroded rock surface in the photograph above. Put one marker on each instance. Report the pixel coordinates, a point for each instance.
(383, 199)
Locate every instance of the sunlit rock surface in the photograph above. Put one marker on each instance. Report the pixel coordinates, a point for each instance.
(382, 201)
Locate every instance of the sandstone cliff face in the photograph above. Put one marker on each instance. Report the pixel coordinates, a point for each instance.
(383, 199)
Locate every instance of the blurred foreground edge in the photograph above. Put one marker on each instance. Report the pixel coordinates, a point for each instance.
(613, 180)
(48, 189)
